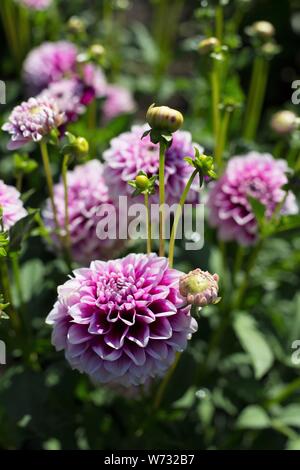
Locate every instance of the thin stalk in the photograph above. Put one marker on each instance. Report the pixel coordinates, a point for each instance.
(279, 148)
(177, 216)
(252, 89)
(164, 383)
(222, 138)
(261, 78)
(162, 149)
(10, 30)
(19, 181)
(292, 157)
(17, 277)
(48, 174)
(219, 22)
(64, 172)
(149, 228)
(92, 114)
(215, 89)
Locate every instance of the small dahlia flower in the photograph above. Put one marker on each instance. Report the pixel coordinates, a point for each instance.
(87, 192)
(129, 153)
(67, 93)
(199, 288)
(118, 100)
(49, 63)
(257, 175)
(36, 4)
(120, 321)
(11, 205)
(31, 121)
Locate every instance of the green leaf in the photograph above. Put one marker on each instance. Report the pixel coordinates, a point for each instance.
(20, 230)
(258, 208)
(254, 343)
(253, 417)
(288, 222)
(290, 415)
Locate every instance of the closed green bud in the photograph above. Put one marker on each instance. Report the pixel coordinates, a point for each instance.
(97, 51)
(76, 25)
(81, 146)
(262, 29)
(284, 122)
(208, 45)
(163, 118)
(142, 182)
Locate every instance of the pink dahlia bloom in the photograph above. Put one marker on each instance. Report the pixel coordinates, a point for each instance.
(49, 63)
(54, 61)
(36, 4)
(129, 153)
(31, 121)
(67, 93)
(118, 100)
(87, 192)
(257, 175)
(120, 321)
(11, 205)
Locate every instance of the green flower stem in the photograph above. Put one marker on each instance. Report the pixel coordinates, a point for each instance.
(48, 174)
(149, 229)
(177, 216)
(285, 393)
(24, 29)
(297, 166)
(221, 143)
(164, 383)
(292, 157)
(17, 277)
(162, 149)
(215, 89)
(7, 13)
(257, 95)
(64, 172)
(92, 114)
(219, 22)
(279, 148)
(5, 288)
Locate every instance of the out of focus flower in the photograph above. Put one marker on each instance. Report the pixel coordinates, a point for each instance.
(67, 93)
(284, 122)
(128, 154)
(49, 63)
(254, 175)
(31, 121)
(261, 29)
(36, 4)
(121, 321)
(199, 288)
(11, 205)
(54, 61)
(118, 100)
(208, 45)
(87, 192)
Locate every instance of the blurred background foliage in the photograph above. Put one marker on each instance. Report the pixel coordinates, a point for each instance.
(236, 386)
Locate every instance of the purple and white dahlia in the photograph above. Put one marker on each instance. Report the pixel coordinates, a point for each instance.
(11, 205)
(129, 153)
(257, 175)
(49, 63)
(87, 192)
(118, 100)
(31, 121)
(121, 321)
(67, 94)
(36, 4)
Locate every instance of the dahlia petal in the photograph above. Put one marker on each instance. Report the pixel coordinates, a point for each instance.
(161, 329)
(78, 334)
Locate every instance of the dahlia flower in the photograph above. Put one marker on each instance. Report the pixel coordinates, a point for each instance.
(31, 121)
(11, 205)
(118, 101)
(67, 93)
(257, 175)
(199, 287)
(36, 4)
(129, 153)
(54, 61)
(87, 191)
(120, 321)
(49, 63)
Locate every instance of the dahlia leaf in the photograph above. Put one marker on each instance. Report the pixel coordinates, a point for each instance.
(258, 208)
(254, 343)
(253, 417)
(20, 230)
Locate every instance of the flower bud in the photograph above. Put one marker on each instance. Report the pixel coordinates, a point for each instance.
(284, 122)
(97, 51)
(76, 25)
(262, 29)
(208, 45)
(163, 118)
(199, 288)
(142, 182)
(81, 146)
